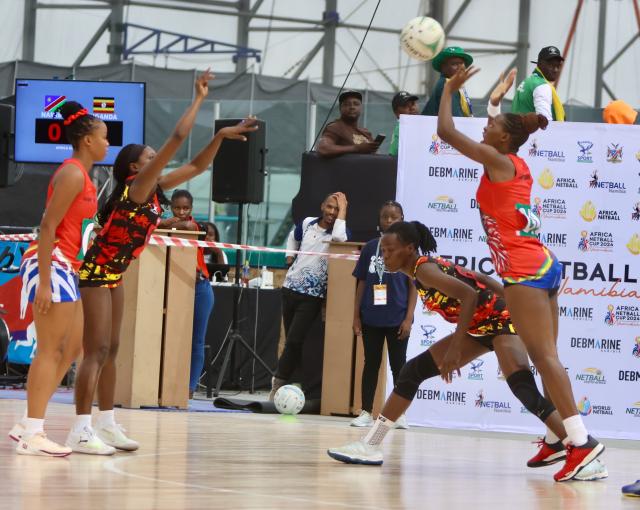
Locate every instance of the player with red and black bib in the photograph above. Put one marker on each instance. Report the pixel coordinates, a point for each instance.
(530, 272)
(49, 271)
(475, 303)
(129, 216)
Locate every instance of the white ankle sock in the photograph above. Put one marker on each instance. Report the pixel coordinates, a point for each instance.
(576, 431)
(33, 426)
(82, 421)
(23, 420)
(550, 437)
(106, 419)
(376, 434)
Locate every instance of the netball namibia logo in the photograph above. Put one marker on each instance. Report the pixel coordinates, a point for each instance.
(584, 406)
(546, 179)
(610, 316)
(588, 211)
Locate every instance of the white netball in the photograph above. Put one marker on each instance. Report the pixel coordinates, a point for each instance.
(422, 38)
(289, 399)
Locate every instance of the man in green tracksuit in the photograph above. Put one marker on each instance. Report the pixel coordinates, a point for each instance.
(537, 93)
(447, 62)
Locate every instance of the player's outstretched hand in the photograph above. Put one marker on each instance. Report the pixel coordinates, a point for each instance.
(237, 132)
(202, 83)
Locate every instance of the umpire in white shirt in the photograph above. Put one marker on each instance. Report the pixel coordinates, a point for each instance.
(305, 285)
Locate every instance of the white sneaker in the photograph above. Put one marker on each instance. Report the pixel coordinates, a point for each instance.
(38, 444)
(86, 441)
(595, 470)
(357, 452)
(115, 436)
(401, 423)
(16, 431)
(364, 420)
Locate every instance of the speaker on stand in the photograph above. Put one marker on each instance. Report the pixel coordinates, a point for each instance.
(239, 171)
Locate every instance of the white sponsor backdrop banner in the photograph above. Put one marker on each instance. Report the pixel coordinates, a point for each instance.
(587, 192)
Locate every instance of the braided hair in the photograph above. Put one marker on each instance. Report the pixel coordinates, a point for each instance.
(520, 126)
(77, 122)
(121, 171)
(415, 233)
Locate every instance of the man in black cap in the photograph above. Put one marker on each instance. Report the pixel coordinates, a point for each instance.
(447, 63)
(537, 93)
(344, 136)
(402, 103)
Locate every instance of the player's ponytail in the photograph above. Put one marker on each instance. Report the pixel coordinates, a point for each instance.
(416, 234)
(521, 126)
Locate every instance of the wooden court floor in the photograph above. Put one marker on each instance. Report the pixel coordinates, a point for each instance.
(246, 461)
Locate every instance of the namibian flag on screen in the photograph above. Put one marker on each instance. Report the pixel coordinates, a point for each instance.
(104, 105)
(52, 103)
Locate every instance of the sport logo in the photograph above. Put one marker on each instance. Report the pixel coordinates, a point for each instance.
(622, 315)
(546, 179)
(476, 370)
(610, 316)
(614, 153)
(634, 409)
(584, 406)
(585, 152)
(551, 155)
(596, 241)
(610, 186)
(634, 245)
(636, 348)
(496, 405)
(443, 203)
(428, 335)
(591, 376)
(438, 147)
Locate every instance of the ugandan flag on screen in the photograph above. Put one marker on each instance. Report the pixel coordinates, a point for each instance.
(104, 105)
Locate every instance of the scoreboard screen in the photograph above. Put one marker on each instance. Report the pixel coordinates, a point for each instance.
(39, 130)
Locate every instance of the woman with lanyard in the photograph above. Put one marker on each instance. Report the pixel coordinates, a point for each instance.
(383, 309)
(181, 207)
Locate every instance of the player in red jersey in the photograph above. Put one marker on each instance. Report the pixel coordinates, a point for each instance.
(49, 271)
(531, 273)
(129, 217)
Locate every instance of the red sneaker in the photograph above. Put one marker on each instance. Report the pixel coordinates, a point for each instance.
(548, 454)
(577, 458)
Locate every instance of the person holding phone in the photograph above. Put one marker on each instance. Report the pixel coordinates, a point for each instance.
(343, 135)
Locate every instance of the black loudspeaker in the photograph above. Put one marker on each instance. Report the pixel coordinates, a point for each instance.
(8, 168)
(239, 168)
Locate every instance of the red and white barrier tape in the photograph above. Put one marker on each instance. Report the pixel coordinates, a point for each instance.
(194, 243)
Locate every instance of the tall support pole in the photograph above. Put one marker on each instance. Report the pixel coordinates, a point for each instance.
(29, 31)
(116, 29)
(242, 39)
(602, 23)
(330, 18)
(524, 13)
(436, 11)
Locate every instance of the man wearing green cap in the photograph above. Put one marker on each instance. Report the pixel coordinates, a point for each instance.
(447, 62)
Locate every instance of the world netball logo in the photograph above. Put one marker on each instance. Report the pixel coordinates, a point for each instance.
(610, 316)
(584, 406)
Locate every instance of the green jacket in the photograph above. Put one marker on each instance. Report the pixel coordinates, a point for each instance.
(523, 97)
(433, 105)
